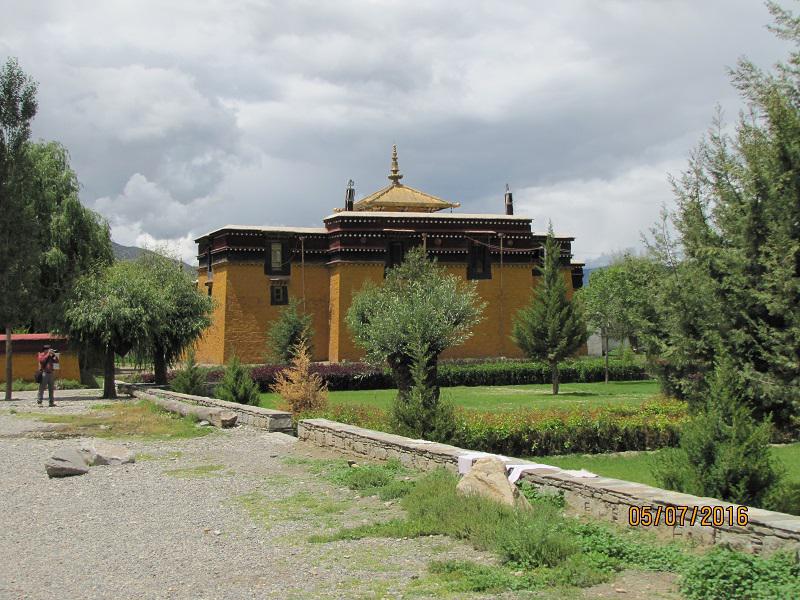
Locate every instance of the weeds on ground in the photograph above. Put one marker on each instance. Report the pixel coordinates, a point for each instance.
(388, 480)
(142, 420)
(299, 506)
(536, 548)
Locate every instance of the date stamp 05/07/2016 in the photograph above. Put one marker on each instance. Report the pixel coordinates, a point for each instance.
(680, 516)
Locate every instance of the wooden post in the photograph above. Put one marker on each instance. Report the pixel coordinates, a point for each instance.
(502, 301)
(303, 269)
(9, 364)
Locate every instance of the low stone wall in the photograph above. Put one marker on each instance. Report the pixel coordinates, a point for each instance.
(599, 497)
(255, 416)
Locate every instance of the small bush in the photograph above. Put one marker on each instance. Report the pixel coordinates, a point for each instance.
(724, 453)
(422, 414)
(237, 385)
(299, 388)
(286, 333)
(191, 380)
(723, 574)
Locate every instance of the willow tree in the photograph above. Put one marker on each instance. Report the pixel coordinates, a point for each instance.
(418, 305)
(19, 253)
(183, 312)
(115, 309)
(552, 326)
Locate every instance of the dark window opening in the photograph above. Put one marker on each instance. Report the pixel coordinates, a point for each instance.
(278, 294)
(480, 263)
(209, 285)
(395, 253)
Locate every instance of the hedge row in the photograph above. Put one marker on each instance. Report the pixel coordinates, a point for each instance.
(359, 376)
(653, 424)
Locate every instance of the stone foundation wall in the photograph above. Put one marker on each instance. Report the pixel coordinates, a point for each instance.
(255, 416)
(599, 497)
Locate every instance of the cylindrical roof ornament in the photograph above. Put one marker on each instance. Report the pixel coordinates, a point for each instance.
(349, 196)
(509, 202)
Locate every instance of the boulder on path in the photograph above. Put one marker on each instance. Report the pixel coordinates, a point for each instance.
(103, 453)
(488, 478)
(65, 463)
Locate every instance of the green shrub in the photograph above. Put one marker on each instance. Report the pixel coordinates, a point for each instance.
(191, 380)
(724, 453)
(526, 372)
(723, 574)
(237, 385)
(286, 333)
(653, 424)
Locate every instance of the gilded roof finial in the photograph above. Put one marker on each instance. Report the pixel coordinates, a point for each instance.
(395, 176)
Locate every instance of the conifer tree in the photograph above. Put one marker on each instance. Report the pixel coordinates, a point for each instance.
(287, 332)
(237, 384)
(191, 379)
(552, 327)
(738, 235)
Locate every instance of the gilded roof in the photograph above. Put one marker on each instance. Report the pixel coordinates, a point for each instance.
(397, 197)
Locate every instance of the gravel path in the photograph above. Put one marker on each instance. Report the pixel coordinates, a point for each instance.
(161, 528)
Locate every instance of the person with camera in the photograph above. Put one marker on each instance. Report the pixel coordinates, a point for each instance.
(47, 358)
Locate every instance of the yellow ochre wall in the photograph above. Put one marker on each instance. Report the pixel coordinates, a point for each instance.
(24, 365)
(243, 313)
(210, 347)
(345, 280)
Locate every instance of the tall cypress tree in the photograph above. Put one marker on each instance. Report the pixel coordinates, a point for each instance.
(552, 327)
(738, 224)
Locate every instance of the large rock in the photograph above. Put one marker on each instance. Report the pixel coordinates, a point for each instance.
(65, 463)
(103, 453)
(488, 478)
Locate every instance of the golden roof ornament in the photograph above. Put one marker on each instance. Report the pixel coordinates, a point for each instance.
(395, 175)
(397, 197)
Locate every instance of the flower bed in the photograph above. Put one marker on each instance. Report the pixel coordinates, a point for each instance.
(653, 424)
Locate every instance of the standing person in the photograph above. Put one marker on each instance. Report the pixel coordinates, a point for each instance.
(47, 358)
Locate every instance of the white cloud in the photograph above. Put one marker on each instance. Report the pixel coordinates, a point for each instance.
(604, 215)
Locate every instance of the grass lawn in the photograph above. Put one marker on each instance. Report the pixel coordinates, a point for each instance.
(636, 466)
(508, 397)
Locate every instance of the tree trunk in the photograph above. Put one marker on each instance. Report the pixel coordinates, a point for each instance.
(605, 343)
(554, 367)
(9, 365)
(159, 365)
(401, 371)
(109, 388)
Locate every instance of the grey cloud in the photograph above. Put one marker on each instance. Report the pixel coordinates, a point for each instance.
(183, 116)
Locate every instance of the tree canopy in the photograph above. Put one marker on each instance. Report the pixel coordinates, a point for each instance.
(731, 248)
(418, 304)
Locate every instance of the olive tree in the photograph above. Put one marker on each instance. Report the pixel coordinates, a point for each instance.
(418, 304)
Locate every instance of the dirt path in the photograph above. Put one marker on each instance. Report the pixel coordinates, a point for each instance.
(227, 515)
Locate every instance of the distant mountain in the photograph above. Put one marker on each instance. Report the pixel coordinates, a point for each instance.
(133, 252)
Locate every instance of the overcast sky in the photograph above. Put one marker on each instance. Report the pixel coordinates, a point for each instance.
(181, 117)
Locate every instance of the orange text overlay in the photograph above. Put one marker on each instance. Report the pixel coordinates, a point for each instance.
(672, 516)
